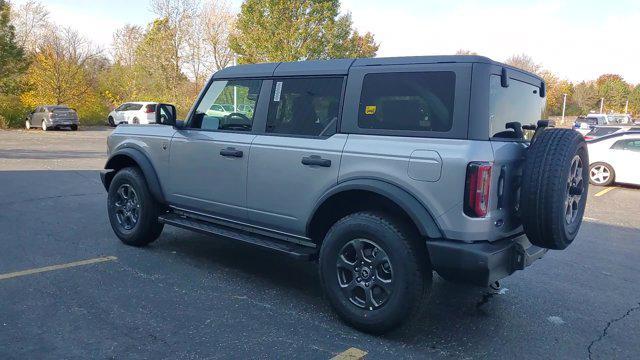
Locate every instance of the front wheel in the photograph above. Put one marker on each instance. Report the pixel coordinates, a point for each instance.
(133, 212)
(27, 125)
(374, 271)
(111, 122)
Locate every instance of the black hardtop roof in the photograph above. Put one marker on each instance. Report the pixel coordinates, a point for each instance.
(342, 66)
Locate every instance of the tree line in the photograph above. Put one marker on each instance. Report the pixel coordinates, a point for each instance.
(170, 59)
(167, 60)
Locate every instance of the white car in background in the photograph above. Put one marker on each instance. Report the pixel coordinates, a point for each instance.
(615, 158)
(133, 113)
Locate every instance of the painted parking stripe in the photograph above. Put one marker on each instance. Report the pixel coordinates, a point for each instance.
(350, 354)
(605, 191)
(56, 267)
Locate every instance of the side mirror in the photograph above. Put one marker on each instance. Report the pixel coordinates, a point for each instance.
(166, 114)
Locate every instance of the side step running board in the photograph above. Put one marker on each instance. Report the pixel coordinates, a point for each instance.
(292, 249)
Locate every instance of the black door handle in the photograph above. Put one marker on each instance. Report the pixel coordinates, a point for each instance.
(316, 160)
(231, 152)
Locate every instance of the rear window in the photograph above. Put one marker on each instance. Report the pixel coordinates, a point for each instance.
(602, 131)
(415, 101)
(519, 102)
(57, 108)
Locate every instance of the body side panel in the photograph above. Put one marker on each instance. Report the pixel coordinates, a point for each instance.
(387, 158)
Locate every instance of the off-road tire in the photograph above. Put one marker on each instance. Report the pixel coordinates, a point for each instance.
(609, 181)
(408, 257)
(545, 188)
(147, 228)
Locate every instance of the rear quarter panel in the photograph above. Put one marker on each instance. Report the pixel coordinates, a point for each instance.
(439, 188)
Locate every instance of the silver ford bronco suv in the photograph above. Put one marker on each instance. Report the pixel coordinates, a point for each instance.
(382, 170)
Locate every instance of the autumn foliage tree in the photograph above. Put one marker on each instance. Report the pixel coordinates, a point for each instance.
(60, 73)
(13, 64)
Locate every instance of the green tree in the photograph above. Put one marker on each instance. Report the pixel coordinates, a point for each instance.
(12, 58)
(585, 96)
(465, 52)
(614, 90)
(634, 101)
(157, 74)
(524, 62)
(292, 30)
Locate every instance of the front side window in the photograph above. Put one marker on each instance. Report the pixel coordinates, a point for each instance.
(416, 101)
(307, 107)
(631, 145)
(519, 102)
(227, 105)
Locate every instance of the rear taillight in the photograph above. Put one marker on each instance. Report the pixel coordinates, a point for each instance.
(149, 109)
(588, 137)
(478, 185)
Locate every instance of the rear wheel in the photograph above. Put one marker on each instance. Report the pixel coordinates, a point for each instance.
(374, 272)
(27, 125)
(74, 127)
(601, 174)
(133, 212)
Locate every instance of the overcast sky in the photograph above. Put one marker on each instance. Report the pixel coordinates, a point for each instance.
(577, 40)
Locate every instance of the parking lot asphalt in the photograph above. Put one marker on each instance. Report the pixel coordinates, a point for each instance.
(191, 296)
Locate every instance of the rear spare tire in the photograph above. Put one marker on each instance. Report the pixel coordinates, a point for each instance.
(554, 188)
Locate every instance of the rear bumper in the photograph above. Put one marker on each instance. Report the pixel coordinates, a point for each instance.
(482, 263)
(63, 122)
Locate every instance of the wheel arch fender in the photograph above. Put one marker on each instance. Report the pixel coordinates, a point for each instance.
(133, 157)
(417, 211)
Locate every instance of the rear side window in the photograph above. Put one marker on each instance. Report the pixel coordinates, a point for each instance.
(134, 107)
(415, 101)
(519, 102)
(307, 107)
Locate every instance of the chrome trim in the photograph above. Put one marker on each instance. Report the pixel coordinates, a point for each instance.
(280, 235)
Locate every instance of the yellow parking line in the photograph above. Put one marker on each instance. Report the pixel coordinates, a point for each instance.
(56, 267)
(604, 191)
(350, 354)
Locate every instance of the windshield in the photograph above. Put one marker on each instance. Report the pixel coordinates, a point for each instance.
(618, 119)
(602, 131)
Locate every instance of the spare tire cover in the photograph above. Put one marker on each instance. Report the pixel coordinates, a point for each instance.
(554, 188)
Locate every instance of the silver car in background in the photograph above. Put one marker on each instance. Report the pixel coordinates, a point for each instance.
(52, 117)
